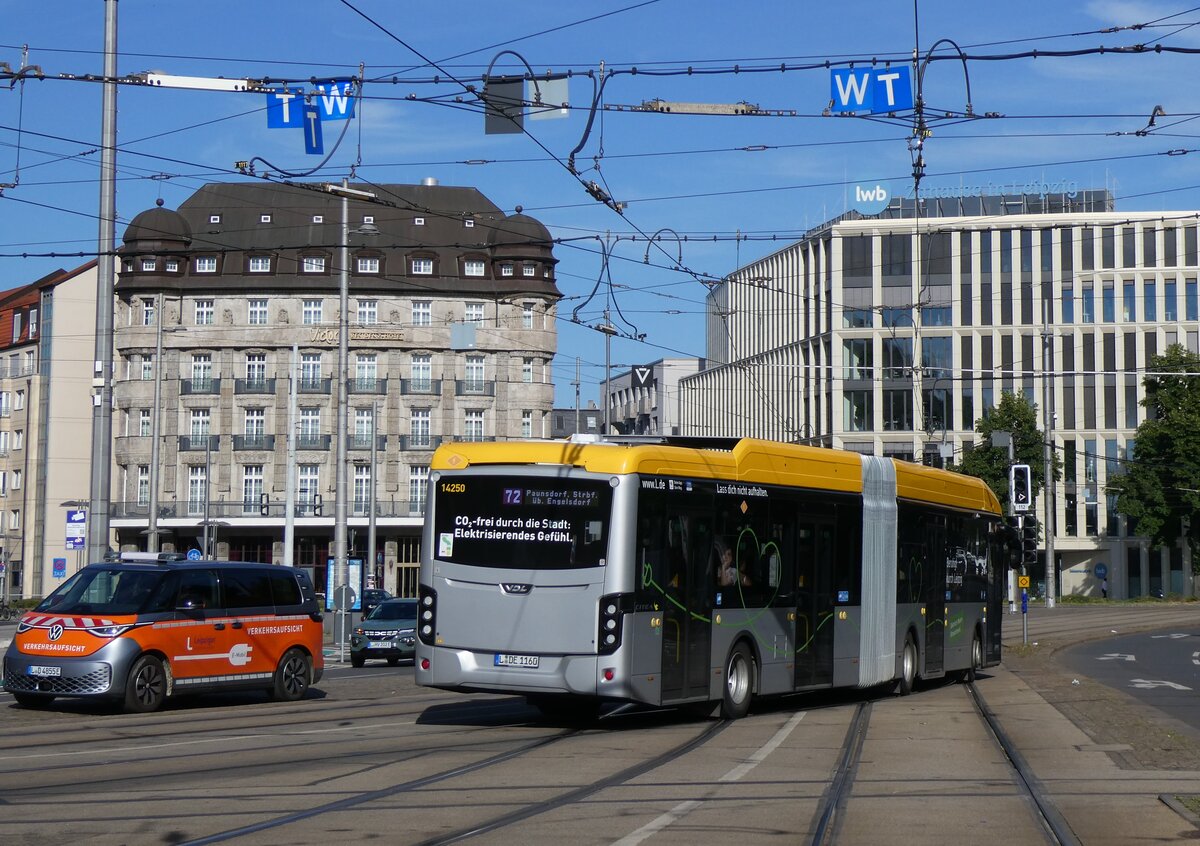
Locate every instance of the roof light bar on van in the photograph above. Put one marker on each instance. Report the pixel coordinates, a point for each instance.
(148, 557)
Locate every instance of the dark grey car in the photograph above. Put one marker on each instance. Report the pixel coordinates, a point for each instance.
(389, 631)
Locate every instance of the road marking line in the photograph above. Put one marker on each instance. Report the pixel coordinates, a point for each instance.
(684, 808)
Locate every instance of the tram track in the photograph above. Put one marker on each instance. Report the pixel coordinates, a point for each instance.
(496, 823)
(832, 811)
(1057, 829)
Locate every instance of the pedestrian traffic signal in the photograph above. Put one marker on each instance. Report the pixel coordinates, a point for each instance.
(1020, 487)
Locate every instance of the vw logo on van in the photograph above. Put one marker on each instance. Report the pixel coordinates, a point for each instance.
(56, 631)
(513, 587)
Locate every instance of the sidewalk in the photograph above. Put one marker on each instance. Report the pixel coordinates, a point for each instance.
(1097, 752)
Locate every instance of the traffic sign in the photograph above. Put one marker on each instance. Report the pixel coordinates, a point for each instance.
(193, 555)
(1023, 582)
(76, 528)
(1101, 571)
(873, 91)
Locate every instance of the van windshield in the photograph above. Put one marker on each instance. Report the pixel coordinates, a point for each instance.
(110, 591)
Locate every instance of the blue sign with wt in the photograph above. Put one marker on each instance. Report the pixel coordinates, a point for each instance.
(1101, 571)
(59, 570)
(873, 91)
(1024, 602)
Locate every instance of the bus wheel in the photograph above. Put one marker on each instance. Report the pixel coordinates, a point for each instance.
(739, 683)
(908, 668)
(976, 658)
(292, 677)
(146, 688)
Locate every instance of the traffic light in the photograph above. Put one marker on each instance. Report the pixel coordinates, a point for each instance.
(264, 505)
(1029, 541)
(1020, 487)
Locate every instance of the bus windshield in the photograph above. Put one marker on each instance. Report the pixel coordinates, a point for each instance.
(531, 523)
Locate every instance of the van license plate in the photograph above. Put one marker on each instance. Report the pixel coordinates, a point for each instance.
(503, 660)
(45, 671)
(379, 644)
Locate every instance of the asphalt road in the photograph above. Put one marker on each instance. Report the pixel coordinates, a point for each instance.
(1160, 669)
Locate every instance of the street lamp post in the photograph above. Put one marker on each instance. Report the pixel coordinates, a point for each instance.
(340, 562)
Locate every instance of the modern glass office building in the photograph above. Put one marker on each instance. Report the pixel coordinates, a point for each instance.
(891, 335)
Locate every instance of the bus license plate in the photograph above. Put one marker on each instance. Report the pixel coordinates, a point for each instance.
(503, 660)
(45, 671)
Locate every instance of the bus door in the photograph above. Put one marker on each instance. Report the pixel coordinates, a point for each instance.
(935, 598)
(687, 609)
(815, 555)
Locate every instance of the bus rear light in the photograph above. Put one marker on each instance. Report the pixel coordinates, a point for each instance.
(427, 597)
(424, 663)
(612, 612)
(609, 674)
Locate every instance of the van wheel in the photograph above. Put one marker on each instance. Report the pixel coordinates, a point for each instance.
(739, 683)
(292, 676)
(146, 688)
(357, 660)
(908, 668)
(33, 700)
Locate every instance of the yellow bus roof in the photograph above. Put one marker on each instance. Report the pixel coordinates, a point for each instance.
(746, 460)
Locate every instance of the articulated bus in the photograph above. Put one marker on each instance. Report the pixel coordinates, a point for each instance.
(690, 572)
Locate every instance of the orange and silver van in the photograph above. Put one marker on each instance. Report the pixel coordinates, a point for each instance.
(147, 627)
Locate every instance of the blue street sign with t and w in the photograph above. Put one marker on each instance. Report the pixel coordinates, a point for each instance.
(871, 90)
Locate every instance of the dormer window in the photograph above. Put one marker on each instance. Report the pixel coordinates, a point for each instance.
(506, 269)
(473, 267)
(529, 270)
(469, 222)
(318, 218)
(368, 218)
(149, 264)
(260, 264)
(171, 265)
(422, 267)
(214, 218)
(314, 264)
(206, 264)
(418, 221)
(264, 218)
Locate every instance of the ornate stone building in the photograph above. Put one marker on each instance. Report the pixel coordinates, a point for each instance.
(451, 332)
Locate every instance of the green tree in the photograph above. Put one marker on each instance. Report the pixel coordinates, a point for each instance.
(1016, 415)
(1159, 492)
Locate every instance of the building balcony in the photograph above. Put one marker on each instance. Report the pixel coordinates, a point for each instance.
(364, 442)
(254, 386)
(193, 443)
(199, 386)
(366, 386)
(275, 508)
(420, 386)
(254, 442)
(308, 385)
(474, 387)
(321, 442)
(421, 442)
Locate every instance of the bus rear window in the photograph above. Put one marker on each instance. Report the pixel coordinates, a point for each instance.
(533, 523)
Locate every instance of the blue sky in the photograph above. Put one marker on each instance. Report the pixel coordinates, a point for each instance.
(707, 179)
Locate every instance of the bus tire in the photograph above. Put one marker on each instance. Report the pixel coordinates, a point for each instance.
(739, 683)
(146, 686)
(976, 658)
(908, 668)
(292, 676)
